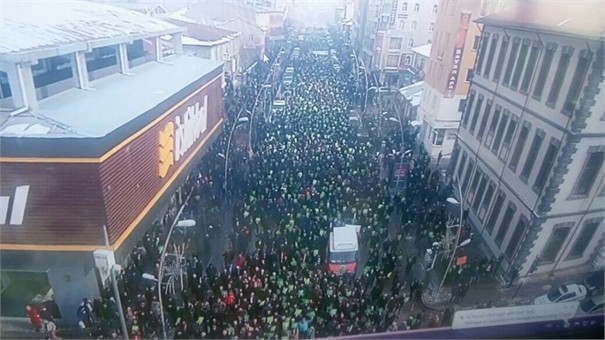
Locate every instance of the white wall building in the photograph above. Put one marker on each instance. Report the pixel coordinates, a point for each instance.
(530, 150)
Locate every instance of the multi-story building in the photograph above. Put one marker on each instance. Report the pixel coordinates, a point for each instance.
(529, 152)
(386, 32)
(449, 71)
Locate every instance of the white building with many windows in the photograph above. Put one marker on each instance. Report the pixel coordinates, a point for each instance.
(530, 149)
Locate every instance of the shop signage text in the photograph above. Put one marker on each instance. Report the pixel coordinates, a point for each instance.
(458, 50)
(17, 210)
(176, 138)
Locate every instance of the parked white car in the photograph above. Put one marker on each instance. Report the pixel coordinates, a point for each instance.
(565, 293)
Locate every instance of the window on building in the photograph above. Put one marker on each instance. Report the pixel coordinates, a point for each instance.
(493, 126)
(435, 9)
(520, 63)
(461, 105)
(469, 74)
(500, 132)
(532, 154)
(392, 60)
(447, 39)
(49, 71)
(473, 190)
(467, 175)
(395, 43)
(514, 161)
(505, 224)
(590, 170)
(493, 218)
(530, 69)
(482, 51)
(402, 24)
(437, 136)
(476, 42)
(414, 25)
(101, 57)
(547, 162)
(468, 107)
(490, 56)
(416, 7)
(484, 119)
(515, 239)
(476, 114)
(479, 194)
(487, 200)
(510, 132)
(461, 165)
(555, 242)
(512, 59)
(501, 57)
(404, 7)
(431, 27)
(557, 82)
(586, 235)
(408, 60)
(577, 82)
(5, 89)
(549, 55)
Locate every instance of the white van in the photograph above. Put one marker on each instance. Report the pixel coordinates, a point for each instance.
(343, 250)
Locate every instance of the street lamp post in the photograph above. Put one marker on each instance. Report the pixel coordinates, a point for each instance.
(456, 246)
(114, 285)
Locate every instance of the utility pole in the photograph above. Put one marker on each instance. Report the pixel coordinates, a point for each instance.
(116, 293)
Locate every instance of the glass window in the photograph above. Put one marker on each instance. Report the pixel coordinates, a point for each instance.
(515, 239)
(487, 200)
(554, 244)
(461, 165)
(493, 126)
(500, 132)
(557, 82)
(437, 136)
(482, 51)
(493, 218)
(534, 150)
(467, 176)
(469, 74)
(519, 147)
(484, 119)
(435, 8)
(577, 82)
(476, 42)
(414, 25)
(529, 71)
(468, 107)
(101, 57)
(549, 55)
(512, 126)
(416, 7)
(431, 27)
(473, 190)
(501, 57)
(520, 64)
(5, 89)
(479, 195)
(586, 235)
(395, 43)
(547, 162)
(402, 24)
(512, 59)
(592, 165)
(490, 56)
(505, 224)
(476, 114)
(404, 7)
(51, 70)
(411, 44)
(392, 60)
(461, 105)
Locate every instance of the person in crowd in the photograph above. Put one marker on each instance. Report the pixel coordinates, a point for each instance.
(34, 317)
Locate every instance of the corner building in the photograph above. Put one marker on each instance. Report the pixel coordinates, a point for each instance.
(530, 149)
(105, 127)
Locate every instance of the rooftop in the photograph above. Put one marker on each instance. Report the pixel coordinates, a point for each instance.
(584, 18)
(30, 26)
(413, 93)
(83, 113)
(205, 33)
(424, 50)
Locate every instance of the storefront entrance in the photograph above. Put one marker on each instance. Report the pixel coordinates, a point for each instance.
(19, 289)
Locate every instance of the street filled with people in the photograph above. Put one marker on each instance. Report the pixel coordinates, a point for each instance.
(270, 221)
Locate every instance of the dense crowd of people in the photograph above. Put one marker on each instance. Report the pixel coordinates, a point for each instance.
(308, 170)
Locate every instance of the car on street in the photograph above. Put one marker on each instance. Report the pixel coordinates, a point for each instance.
(594, 282)
(564, 293)
(592, 305)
